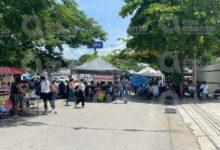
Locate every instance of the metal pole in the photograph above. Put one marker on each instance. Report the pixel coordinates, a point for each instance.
(195, 71)
(194, 68)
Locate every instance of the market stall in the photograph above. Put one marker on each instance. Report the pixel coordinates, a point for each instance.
(101, 71)
(152, 73)
(6, 78)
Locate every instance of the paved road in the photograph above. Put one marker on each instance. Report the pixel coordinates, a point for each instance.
(135, 126)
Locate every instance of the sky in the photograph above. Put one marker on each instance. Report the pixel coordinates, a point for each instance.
(106, 12)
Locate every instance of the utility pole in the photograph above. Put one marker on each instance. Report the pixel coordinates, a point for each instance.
(195, 72)
(195, 67)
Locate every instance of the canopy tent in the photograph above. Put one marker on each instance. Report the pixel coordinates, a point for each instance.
(138, 80)
(11, 70)
(65, 72)
(131, 71)
(150, 72)
(97, 66)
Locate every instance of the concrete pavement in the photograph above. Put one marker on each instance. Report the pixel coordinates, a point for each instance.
(203, 119)
(135, 126)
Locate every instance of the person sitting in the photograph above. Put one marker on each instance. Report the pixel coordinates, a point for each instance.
(204, 89)
(191, 89)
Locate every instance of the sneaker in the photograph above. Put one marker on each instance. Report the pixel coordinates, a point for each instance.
(54, 111)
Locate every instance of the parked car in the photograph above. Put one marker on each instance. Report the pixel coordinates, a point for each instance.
(60, 78)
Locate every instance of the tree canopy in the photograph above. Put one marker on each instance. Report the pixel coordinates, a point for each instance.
(187, 27)
(41, 27)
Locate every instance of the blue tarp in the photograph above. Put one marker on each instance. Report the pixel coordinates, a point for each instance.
(138, 80)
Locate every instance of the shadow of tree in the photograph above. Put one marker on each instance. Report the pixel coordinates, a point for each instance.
(11, 121)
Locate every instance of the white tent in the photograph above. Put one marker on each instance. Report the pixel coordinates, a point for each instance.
(132, 72)
(150, 72)
(66, 72)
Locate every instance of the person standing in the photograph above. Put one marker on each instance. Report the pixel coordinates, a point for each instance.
(16, 93)
(123, 90)
(92, 91)
(54, 89)
(198, 85)
(71, 88)
(81, 93)
(45, 92)
(155, 90)
(62, 89)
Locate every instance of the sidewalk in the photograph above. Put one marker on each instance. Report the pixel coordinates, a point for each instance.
(204, 120)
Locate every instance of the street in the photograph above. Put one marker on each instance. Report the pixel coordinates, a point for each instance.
(149, 69)
(99, 126)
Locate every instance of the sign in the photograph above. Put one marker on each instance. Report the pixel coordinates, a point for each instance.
(96, 45)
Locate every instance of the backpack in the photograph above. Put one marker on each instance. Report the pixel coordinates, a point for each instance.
(53, 88)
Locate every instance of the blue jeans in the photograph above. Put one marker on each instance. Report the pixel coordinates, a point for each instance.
(70, 96)
(53, 98)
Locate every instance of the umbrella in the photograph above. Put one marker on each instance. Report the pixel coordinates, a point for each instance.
(11, 70)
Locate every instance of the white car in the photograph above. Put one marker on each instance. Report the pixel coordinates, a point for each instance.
(61, 78)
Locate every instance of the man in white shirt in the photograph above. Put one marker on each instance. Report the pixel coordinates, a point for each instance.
(81, 94)
(45, 86)
(82, 85)
(46, 92)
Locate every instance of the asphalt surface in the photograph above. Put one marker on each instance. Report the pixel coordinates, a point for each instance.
(99, 126)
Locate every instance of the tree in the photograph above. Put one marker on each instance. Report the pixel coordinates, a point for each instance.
(42, 27)
(174, 25)
(126, 60)
(88, 57)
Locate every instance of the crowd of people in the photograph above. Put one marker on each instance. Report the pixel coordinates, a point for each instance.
(187, 89)
(200, 89)
(152, 90)
(79, 91)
